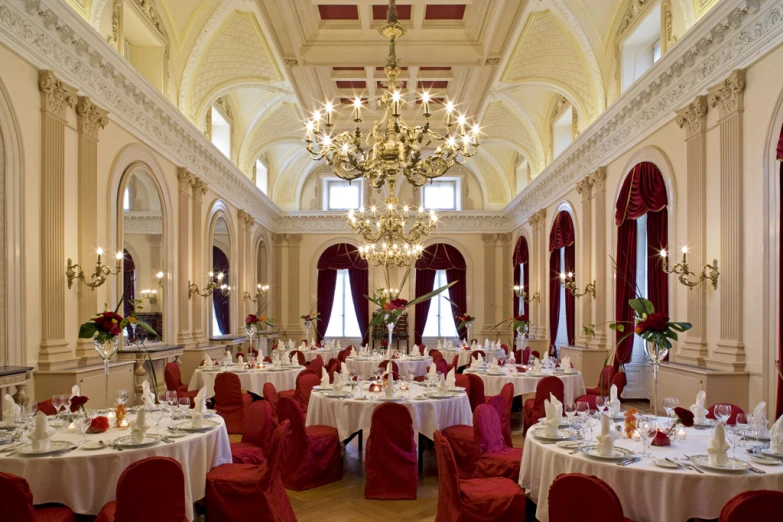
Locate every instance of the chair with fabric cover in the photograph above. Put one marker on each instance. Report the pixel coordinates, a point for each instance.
(395, 374)
(604, 382)
(441, 366)
(475, 353)
(313, 456)
(242, 354)
(619, 380)
(436, 355)
(507, 396)
(534, 408)
(252, 351)
(575, 497)
(174, 382)
(316, 364)
(230, 402)
(304, 388)
(267, 359)
(474, 500)
(535, 354)
(476, 391)
(461, 436)
(16, 500)
(454, 363)
(259, 426)
(504, 348)
(247, 492)
(47, 407)
(752, 505)
(391, 462)
(300, 358)
(395, 367)
(341, 356)
(495, 458)
(735, 410)
(133, 501)
(526, 355)
(422, 347)
(271, 396)
(462, 381)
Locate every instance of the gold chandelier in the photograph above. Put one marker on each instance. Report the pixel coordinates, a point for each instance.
(392, 147)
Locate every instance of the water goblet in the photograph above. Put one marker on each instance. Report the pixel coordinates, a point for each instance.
(184, 405)
(157, 415)
(173, 401)
(57, 402)
(722, 412)
(647, 430)
(600, 403)
(734, 436)
(582, 409)
(669, 403)
(570, 410)
(121, 396)
(759, 423)
(83, 422)
(20, 420)
(67, 403)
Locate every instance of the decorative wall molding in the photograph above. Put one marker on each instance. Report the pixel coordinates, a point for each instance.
(321, 222)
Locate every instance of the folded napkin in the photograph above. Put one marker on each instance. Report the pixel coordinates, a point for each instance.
(433, 372)
(486, 342)
(346, 373)
(776, 437)
(324, 378)
(494, 365)
(199, 409)
(139, 427)
(443, 388)
(698, 409)
(450, 345)
(76, 391)
(440, 345)
(11, 410)
(480, 359)
(291, 344)
(451, 379)
(339, 345)
(511, 360)
(42, 434)
(566, 362)
(614, 404)
(554, 414)
(536, 365)
(303, 347)
(545, 358)
(240, 359)
(605, 439)
(717, 447)
(207, 361)
(147, 397)
(353, 352)
(337, 385)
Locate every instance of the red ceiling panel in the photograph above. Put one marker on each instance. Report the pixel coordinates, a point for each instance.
(345, 84)
(441, 84)
(445, 12)
(347, 68)
(384, 68)
(379, 12)
(435, 68)
(339, 12)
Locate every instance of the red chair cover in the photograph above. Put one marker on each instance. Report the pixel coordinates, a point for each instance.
(421, 349)
(461, 436)
(462, 381)
(242, 354)
(259, 426)
(535, 354)
(174, 379)
(504, 348)
(47, 407)
(16, 503)
(436, 355)
(526, 355)
(495, 459)
(395, 374)
(252, 351)
(342, 355)
(757, 505)
(454, 364)
(391, 461)
(575, 497)
(270, 396)
(534, 408)
(248, 493)
(476, 391)
(475, 353)
(474, 500)
(504, 409)
(267, 359)
(604, 382)
(735, 410)
(441, 366)
(230, 402)
(316, 364)
(395, 366)
(305, 382)
(313, 457)
(134, 503)
(300, 358)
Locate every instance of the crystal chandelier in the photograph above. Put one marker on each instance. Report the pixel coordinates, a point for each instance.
(392, 147)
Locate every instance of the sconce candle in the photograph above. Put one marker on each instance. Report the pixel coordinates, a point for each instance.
(683, 272)
(97, 278)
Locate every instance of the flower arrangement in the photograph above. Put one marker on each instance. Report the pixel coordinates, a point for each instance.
(464, 320)
(513, 323)
(78, 402)
(257, 323)
(311, 317)
(684, 417)
(107, 325)
(98, 425)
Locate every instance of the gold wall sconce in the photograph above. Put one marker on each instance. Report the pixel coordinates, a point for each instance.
(97, 278)
(683, 273)
(261, 291)
(160, 276)
(215, 281)
(519, 291)
(150, 295)
(567, 281)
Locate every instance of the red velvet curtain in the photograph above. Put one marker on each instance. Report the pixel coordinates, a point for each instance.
(779, 407)
(570, 268)
(643, 192)
(129, 283)
(521, 257)
(342, 256)
(561, 235)
(554, 295)
(440, 256)
(222, 303)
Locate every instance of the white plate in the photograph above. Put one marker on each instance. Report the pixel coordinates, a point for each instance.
(733, 465)
(569, 444)
(26, 450)
(390, 399)
(209, 369)
(337, 395)
(767, 461)
(704, 426)
(769, 453)
(319, 387)
(561, 435)
(93, 445)
(618, 453)
(663, 463)
(187, 425)
(176, 434)
(439, 396)
(126, 442)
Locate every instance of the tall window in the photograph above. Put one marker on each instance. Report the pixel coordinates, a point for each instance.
(442, 194)
(440, 318)
(562, 326)
(342, 195)
(641, 280)
(641, 48)
(521, 268)
(262, 176)
(343, 322)
(563, 131)
(221, 133)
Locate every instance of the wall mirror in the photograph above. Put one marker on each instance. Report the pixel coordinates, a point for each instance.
(220, 311)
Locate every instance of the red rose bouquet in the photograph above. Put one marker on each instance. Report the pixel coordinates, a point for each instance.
(661, 439)
(98, 425)
(464, 320)
(684, 417)
(77, 402)
(256, 323)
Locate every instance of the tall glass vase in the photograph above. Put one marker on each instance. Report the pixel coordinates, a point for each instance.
(467, 332)
(307, 332)
(390, 328)
(655, 354)
(106, 349)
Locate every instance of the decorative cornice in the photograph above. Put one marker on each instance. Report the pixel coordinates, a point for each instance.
(465, 221)
(91, 118)
(538, 217)
(294, 239)
(693, 118)
(245, 218)
(185, 178)
(583, 187)
(56, 95)
(142, 222)
(728, 95)
(199, 188)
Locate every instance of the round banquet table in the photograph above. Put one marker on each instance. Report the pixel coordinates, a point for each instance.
(573, 384)
(647, 492)
(252, 380)
(351, 415)
(365, 366)
(310, 355)
(85, 480)
(464, 355)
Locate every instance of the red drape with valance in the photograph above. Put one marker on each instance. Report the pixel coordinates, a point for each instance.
(440, 256)
(779, 407)
(521, 257)
(643, 192)
(342, 256)
(561, 236)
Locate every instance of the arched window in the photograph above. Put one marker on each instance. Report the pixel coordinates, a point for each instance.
(439, 265)
(642, 221)
(521, 275)
(562, 253)
(343, 281)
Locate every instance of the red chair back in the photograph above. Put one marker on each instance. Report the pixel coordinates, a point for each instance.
(343, 354)
(316, 364)
(47, 407)
(228, 389)
(605, 379)
(436, 355)
(586, 499)
(620, 380)
(395, 366)
(277, 447)
(304, 388)
(252, 351)
(462, 381)
(300, 358)
(526, 355)
(476, 391)
(507, 393)
(134, 485)
(290, 410)
(735, 410)
(449, 495)
(16, 498)
(395, 374)
(504, 348)
(267, 359)
(486, 429)
(475, 354)
(535, 354)
(259, 425)
(391, 461)
(752, 505)
(421, 349)
(270, 396)
(173, 376)
(547, 385)
(454, 363)
(441, 366)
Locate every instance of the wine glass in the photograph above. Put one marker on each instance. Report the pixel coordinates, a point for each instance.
(669, 403)
(570, 410)
(57, 402)
(600, 403)
(20, 420)
(734, 436)
(184, 405)
(742, 421)
(163, 400)
(722, 412)
(67, 403)
(171, 399)
(157, 415)
(83, 422)
(121, 396)
(647, 430)
(759, 423)
(582, 409)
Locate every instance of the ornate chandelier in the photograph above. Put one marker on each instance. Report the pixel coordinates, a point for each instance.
(392, 147)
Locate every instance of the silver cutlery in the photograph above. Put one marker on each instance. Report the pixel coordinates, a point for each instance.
(64, 451)
(673, 462)
(628, 461)
(691, 466)
(757, 470)
(113, 445)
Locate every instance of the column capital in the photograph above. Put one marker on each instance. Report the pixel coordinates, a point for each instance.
(155, 239)
(294, 239)
(488, 239)
(584, 188)
(91, 118)
(185, 178)
(56, 95)
(199, 188)
(538, 217)
(597, 181)
(245, 218)
(693, 117)
(728, 95)
(278, 239)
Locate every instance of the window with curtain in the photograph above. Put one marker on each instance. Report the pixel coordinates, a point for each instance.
(519, 261)
(641, 48)
(440, 318)
(521, 309)
(641, 280)
(343, 322)
(435, 260)
(562, 259)
(221, 133)
(342, 195)
(562, 324)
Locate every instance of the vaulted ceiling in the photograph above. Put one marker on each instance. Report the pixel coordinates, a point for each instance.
(506, 63)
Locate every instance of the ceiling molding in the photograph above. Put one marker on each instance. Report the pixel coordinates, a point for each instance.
(462, 222)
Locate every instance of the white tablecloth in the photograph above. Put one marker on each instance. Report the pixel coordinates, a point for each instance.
(325, 355)
(574, 385)
(464, 355)
(86, 480)
(351, 415)
(366, 367)
(252, 380)
(647, 492)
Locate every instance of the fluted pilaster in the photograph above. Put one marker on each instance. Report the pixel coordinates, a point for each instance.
(538, 274)
(600, 257)
(185, 275)
(199, 189)
(584, 189)
(490, 290)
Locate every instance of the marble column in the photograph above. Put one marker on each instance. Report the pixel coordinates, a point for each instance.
(600, 256)
(277, 274)
(728, 97)
(56, 98)
(585, 257)
(90, 119)
(199, 189)
(184, 273)
(490, 289)
(539, 275)
(245, 279)
(693, 118)
(292, 288)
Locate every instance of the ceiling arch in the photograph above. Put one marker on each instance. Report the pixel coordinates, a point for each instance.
(280, 125)
(501, 123)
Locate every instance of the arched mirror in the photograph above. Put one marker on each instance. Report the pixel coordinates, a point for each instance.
(143, 246)
(220, 312)
(262, 264)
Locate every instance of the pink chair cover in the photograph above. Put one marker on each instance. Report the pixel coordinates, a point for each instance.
(577, 497)
(421, 349)
(757, 506)
(495, 459)
(16, 503)
(313, 457)
(342, 355)
(735, 410)
(259, 426)
(534, 408)
(503, 402)
(391, 461)
(134, 501)
(230, 402)
(461, 436)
